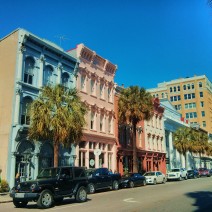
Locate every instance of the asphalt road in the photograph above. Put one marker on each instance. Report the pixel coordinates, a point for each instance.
(187, 195)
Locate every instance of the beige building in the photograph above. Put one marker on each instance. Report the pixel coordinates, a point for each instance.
(191, 96)
(95, 82)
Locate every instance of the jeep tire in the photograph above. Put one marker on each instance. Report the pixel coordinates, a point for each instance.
(20, 204)
(91, 188)
(115, 185)
(81, 195)
(46, 199)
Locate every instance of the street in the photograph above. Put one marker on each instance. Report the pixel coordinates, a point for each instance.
(187, 195)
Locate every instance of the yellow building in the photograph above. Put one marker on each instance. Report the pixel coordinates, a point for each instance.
(191, 96)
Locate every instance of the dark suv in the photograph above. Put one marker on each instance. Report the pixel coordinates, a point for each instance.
(52, 185)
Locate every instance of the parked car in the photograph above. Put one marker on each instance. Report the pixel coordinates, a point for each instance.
(193, 173)
(52, 185)
(177, 174)
(102, 178)
(204, 172)
(132, 180)
(155, 177)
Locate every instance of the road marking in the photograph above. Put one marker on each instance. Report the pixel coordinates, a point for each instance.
(129, 200)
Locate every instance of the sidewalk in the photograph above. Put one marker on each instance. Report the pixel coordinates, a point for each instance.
(5, 197)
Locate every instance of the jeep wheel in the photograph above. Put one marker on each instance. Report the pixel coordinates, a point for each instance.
(81, 195)
(20, 204)
(186, 177)
(131, 184)
(91, 188)
(154, 182)
(46, 199)
(180, 178)
(115, 185)
(144, 182)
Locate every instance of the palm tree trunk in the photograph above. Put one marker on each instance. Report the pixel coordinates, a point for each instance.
(135, 164)
(200, 161)
(56, 153)
(186, 165)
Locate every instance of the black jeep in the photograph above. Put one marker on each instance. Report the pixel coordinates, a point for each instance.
(52, 185)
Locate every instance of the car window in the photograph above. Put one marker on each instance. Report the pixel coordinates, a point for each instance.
(149, 174)
(175, 170)
(79, 172)
(104, 172)
(66, 173)
(48, 173)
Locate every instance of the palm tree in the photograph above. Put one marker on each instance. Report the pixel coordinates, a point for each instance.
(57, 115)
(201, 143)
(182, 141)
(135, 104)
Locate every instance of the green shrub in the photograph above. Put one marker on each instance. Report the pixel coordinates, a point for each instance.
(4, 186)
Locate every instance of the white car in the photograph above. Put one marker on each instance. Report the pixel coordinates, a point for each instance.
(177, 174)
(155, 177)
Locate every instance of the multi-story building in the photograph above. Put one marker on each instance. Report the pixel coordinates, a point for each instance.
(150, 143)
(191, 96)
(172, 121)
(95, 83)
(27, 63)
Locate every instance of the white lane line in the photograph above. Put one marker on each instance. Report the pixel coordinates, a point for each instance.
(129, 200)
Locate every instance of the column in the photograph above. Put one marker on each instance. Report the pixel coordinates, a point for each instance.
(12, 170)
(106, 158)
(78, 155)
(17, 105)
(87, 155)
(113, 159)
(97, 157)
(20, 64)
(59, 70)
(36, 163)
(40, 73)
(171, 153)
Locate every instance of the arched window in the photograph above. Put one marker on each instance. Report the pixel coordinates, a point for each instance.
(28, 70)
(48, 76)
(200, 84)
(25, 109)
(65, 80)
(162, 95)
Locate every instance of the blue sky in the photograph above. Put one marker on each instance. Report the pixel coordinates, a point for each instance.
(151, 41)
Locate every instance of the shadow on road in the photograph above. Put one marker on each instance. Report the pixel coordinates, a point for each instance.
(203, 200)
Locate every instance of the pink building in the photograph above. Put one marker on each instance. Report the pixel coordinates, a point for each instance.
(95, 82)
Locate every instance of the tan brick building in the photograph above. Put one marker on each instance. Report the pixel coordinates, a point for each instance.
(191, 96)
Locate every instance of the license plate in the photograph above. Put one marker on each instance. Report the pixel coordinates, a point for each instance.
(19, 195)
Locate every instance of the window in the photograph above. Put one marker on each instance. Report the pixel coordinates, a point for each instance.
(170, 89)
(175, 89)
(178, 88)
(102, 91)
(184, 87)
(203, 113)
(178, 98)
(202, 104)
(65, 80)
(110, 125)
(92, 121)
(162, 95)
(193, 95)
(102, 126)
(110, 94)
(201, 94)
(192, 85)
(28, 70)
(200, 84)
(25, 109)
(83, 83)
(79, 172)
(48, 76)
(178, 107)
(185, 96)
(188, 87)
(189, 96)
(93, 87)
(191, 115)
(204, 123)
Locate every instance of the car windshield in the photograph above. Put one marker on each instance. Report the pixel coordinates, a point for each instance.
(149, 174)
(48, 173)
(175, 170)
(190, 171)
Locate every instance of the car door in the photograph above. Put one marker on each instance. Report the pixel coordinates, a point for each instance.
(97, 178)
(139, 178)
(65, 181)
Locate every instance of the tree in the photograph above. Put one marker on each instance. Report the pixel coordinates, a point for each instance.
(182, 141)
(57, 115)
(201, 143)
(135, 104)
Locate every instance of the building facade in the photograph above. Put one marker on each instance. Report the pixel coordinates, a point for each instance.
(191, 96)
(95, 83)
(150, 143)
(172, 121)
(27, 63)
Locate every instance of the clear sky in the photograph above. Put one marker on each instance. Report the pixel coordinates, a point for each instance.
(151, 41)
